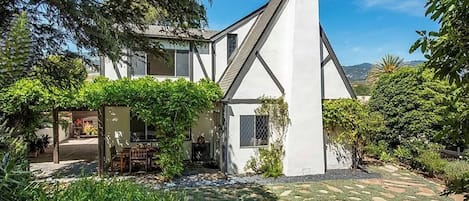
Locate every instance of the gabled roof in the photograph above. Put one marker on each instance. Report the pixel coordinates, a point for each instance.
(155, 31)
(252, 43)
(237, 24)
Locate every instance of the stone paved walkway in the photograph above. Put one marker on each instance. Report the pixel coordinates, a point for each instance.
(395, 184)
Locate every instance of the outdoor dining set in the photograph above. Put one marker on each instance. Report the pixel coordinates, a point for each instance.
(129, 158)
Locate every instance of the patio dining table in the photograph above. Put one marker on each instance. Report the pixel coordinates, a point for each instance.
(125, 154)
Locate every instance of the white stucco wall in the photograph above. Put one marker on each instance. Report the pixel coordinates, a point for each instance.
(337, 156)
(334, 86)
(304, 145)
(115, 72)
(237, 157)
(257, 83)
(221, 47)
(205, 53)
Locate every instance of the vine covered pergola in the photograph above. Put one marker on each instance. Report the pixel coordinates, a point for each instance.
(172, 106)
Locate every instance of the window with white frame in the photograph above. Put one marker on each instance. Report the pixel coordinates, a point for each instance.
(176, 63)
(254, 130)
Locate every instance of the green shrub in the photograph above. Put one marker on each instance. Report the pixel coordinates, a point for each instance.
(268, 163)
(455, 169)
(376, 150)
(91, 189)
(415, 105)
(458, 185)
(386, 157)
(403, 154)
(432, 163)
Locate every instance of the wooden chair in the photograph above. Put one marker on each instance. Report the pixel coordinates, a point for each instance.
(116, 161)
(138, 156)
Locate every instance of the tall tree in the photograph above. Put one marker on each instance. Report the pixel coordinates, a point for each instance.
(101, 27)
(15, 52)
(447, 50)
(388, 64)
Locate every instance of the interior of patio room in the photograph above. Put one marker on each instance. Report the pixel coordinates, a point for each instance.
(131, 145)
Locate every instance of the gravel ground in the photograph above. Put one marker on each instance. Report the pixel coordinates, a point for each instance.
(194, 181)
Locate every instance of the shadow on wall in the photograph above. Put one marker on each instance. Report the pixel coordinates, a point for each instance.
(117, 128)
(232, 167)
(338, 156)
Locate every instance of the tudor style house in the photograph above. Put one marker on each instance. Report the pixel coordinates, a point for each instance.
(278, 50)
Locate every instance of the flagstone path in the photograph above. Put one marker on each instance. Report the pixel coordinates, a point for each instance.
(395, 184)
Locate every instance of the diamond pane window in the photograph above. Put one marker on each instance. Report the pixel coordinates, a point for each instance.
(254, 130)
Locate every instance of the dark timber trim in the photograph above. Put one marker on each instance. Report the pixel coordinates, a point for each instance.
(250, 60)
(191, 61)
(101, 139)
(271, 74)
(217, 37)
(197, 54)
(242, 101)
(214, 61)
(328, 45)
(326, 60)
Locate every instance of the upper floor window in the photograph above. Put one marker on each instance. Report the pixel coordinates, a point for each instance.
(254, 130)
(232, 44)
(175, 64)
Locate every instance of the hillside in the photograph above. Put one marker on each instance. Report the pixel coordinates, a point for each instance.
(360, 71)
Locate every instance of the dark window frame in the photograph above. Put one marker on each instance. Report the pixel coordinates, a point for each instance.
(260, 134)
(231, 45)
(156, 139)
(173, 63)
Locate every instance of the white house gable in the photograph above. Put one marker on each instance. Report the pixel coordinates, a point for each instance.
(257, 83)
(334, 86)
(221, 46)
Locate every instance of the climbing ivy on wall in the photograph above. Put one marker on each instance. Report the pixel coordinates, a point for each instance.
(269, 161)
(349, 123)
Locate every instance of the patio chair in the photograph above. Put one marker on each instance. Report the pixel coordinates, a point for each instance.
(116, 161)
(138, 156)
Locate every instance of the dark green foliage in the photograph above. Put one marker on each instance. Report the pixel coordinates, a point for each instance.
(91, 189)
(105, 27)
(447, 50)
(15, 52)
(376, 149)
(362, 88)
(431, 163)
(416, 106)
(14, 179)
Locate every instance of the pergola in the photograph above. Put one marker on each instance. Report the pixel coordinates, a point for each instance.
(101, 140)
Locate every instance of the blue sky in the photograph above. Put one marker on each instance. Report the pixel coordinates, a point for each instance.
(359, 30)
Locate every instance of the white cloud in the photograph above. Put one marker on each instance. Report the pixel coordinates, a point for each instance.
(411, 7)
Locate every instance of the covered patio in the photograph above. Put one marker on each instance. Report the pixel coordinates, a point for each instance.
(78, 157)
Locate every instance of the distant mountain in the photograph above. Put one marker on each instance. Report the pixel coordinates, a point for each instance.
(357, 72)
(360, 71)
